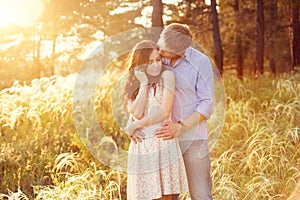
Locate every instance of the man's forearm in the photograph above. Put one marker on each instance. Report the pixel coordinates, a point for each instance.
(194, 119)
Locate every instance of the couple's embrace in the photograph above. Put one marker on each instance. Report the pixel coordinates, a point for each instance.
(169, 94)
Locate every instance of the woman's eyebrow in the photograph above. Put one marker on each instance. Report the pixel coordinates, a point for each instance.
(158, 57)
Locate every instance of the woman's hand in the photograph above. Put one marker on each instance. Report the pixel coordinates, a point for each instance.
(141, 76)
(134, 134)
(137, 137)
(130, 128)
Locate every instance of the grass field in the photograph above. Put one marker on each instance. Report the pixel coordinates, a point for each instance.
(41, 156)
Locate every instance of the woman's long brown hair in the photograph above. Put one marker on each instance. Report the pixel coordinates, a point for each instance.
(138, 59)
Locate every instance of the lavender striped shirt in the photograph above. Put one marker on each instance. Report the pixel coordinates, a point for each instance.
(194, 91)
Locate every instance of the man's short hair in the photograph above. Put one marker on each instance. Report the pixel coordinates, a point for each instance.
(175, 38)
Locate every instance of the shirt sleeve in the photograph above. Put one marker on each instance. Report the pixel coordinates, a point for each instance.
(205, 88)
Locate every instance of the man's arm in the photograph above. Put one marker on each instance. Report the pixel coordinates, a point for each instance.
(205, 89)
(204, 108)
(192, 120)
(205, 95)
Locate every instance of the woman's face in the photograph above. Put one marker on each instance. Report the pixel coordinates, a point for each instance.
(154, 64)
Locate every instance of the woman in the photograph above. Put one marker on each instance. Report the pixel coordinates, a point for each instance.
(155, 166)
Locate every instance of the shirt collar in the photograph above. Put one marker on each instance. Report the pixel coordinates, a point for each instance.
(187, 54)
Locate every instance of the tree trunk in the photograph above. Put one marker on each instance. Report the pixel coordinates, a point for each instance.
(53, 55)
(294, 33)
(37, 59)
(238, 41)
(157, 13)
(271, 44)
(216, 37)
(259, 67)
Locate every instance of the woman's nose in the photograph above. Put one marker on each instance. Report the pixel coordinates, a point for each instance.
(158, 63)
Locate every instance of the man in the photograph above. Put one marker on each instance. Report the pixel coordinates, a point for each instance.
(193, 105)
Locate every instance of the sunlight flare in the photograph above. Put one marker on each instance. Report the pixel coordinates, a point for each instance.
(20, 12)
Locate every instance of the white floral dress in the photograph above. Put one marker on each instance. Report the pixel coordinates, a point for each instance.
(155, 166)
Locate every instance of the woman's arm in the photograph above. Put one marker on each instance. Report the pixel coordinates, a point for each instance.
(161, 112)
(137, 106)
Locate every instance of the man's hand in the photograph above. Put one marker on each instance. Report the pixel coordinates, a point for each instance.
(169, 130)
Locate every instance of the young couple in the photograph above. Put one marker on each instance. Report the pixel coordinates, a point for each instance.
(169, 94)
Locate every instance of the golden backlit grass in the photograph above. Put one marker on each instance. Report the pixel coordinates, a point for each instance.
(256, 157)
(258, 154)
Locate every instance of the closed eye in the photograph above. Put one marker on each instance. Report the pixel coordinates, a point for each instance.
(157, 59)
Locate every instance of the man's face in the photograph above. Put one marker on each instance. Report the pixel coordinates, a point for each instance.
(166, 54)
(164, 51)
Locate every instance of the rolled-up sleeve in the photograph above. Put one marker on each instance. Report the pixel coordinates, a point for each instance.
(205, 88)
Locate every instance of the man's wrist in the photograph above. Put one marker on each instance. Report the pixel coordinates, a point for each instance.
(182, 128)
(182, 124)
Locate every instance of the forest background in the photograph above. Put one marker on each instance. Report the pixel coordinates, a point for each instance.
(43, 44)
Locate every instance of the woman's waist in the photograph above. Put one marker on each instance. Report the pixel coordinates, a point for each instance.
(150, 131)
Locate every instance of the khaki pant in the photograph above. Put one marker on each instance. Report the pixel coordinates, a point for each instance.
(197, 164)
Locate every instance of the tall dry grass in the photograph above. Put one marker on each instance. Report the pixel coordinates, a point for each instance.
(256, 157)
(258, 154)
